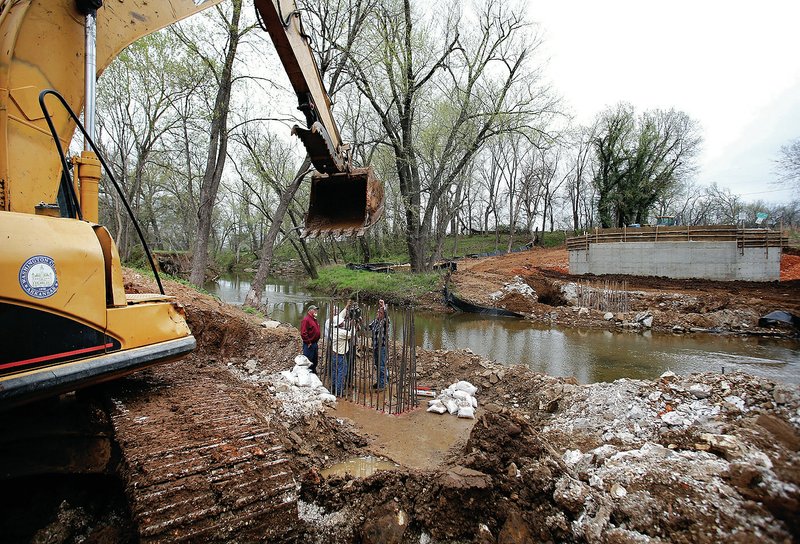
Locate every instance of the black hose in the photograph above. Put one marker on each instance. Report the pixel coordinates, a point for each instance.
(73, 207)
(71, 189)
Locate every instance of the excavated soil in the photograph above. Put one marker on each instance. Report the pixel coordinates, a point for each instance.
(698, 458)
(675, 305)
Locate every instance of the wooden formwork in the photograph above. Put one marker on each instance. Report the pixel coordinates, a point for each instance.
(707, 233)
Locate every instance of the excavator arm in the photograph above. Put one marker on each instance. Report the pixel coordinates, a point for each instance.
(65, 318)
(343, 200)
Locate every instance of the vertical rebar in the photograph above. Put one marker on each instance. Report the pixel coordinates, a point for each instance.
(394, 369)
(413, 339)
(367, 367)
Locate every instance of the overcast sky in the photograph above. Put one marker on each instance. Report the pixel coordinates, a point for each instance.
(733, 66)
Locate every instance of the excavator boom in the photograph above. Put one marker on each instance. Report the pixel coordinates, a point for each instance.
(357, 196)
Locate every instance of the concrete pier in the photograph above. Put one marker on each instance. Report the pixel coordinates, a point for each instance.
(738, 254)
(710, 260)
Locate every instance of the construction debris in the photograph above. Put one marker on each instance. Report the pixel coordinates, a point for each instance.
(700, 458)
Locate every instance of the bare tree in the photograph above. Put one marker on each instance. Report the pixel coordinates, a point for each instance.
(789, 164)
(579, 181)
(270, 162)
(467, 86)
(136, 100)
(488, 172)
(722, 206)
(218, 141)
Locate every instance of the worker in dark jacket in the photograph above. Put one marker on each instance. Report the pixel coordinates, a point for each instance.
(380, 328)
(309, 332)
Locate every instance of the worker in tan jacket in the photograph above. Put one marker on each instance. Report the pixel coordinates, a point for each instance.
(341, 333)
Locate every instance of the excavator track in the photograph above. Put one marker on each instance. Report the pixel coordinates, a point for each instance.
(201, 464)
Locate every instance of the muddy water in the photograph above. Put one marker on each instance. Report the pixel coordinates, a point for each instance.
(589, 355)
(415, 439)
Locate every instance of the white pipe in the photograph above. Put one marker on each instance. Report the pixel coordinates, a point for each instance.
(90, 76)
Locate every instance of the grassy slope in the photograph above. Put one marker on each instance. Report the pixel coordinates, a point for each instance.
(396, 287)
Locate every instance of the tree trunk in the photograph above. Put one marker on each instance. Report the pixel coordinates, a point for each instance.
(217, 152)
(302, 249)
(364, 243)
(253, 298)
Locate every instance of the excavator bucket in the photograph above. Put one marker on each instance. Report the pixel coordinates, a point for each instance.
(344, 204)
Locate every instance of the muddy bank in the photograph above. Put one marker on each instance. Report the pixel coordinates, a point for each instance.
(537, 284)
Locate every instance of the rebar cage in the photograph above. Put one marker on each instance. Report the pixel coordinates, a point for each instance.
(367, 360)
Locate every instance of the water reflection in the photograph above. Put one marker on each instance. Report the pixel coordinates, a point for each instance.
(589, 355)
(285, 299)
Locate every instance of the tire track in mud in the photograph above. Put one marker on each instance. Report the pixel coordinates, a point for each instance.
(200, 464)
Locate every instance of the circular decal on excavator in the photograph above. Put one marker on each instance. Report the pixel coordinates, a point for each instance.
(37, 277)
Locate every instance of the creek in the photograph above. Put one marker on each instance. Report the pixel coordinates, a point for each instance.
(589, 355)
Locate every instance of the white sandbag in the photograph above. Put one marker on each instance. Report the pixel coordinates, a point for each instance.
(435, 402)
(302, 360)
(314, 381)
(327, 397)
(304, 379)
(461, 395)
(289, 377)
(465, 412)
(452, 405)
(299, 370)
(437, 408)
(465, 386)
(464, 403)
(474, 402)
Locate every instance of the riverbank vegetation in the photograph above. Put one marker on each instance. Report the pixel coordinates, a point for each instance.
(395, 287)
(388, 249)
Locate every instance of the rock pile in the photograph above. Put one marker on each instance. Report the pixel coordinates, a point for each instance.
(517, 286)
(300, 391)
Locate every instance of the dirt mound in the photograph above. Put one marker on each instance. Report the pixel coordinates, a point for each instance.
(224, 331)
(476, 279)
(790, 267)
(676, 305)
(515, 302)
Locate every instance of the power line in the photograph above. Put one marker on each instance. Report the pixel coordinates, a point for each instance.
(762, 192)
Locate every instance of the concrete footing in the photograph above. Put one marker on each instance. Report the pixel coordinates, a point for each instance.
(689, 259)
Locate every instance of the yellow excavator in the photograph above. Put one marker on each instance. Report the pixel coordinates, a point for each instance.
(65, 319)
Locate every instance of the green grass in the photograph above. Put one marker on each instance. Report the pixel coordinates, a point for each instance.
(252, 311)
(395, 287)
